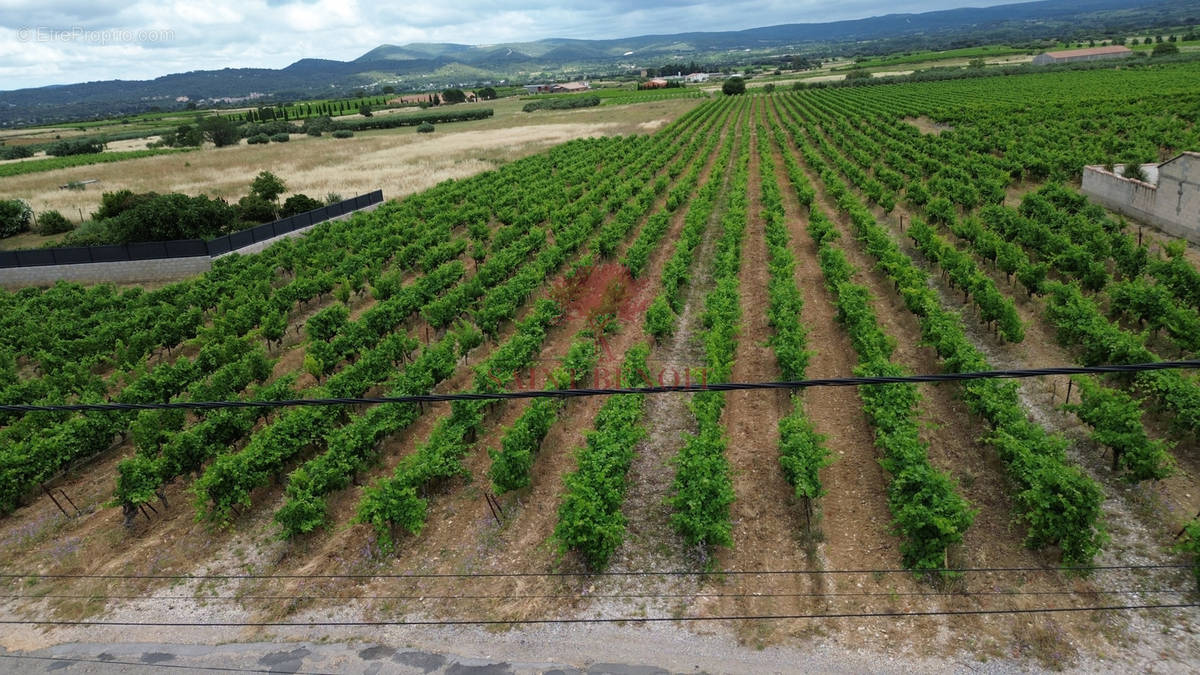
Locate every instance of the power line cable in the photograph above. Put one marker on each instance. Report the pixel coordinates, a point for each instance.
(586, 596)
(580, 393)
(636, 573)
(589, 620)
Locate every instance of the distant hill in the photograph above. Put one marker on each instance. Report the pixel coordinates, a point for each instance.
(440, 64)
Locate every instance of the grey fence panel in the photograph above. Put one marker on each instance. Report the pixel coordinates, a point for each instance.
(110, 253)
(148, 250)
(240, 239)
(262, 232)
(219, 245)
(185, 248)
(72, 256)
(35, 257)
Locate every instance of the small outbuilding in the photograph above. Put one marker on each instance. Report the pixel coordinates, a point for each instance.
(1090, 54)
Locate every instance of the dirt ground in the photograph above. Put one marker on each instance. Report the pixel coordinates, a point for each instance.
(1138, 536)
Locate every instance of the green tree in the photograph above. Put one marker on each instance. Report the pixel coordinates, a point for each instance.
(451, 96)
(1165, 49)
(219, 130)
(733, 86)
(365, 110)
(267, 185)
(486, 94)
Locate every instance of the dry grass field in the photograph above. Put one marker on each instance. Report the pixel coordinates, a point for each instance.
(398, 161)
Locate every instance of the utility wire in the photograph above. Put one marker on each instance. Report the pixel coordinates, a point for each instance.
(588, 596)
(638, 573)
(589, 620)
(580, 393)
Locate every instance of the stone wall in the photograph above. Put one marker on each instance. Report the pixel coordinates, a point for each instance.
(1141, 201)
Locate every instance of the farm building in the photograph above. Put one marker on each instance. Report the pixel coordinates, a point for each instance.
(1090, 54)
(570, 87)
(567, 88)
(1169, 198)
(656, 83)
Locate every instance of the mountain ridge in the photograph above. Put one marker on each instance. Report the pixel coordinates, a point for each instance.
(432, 65)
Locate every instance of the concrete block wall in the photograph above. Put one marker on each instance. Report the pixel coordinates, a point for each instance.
(127, 272)
(1141, 201)
(1179, 190)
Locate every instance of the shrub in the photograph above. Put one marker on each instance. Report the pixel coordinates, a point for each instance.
(1133, 171)
(660, 319)
(298, 203)
(257, 139)
(267, 185)
(342, 133)
(15, 216)
(254, 209)
(153, 217)
(424, 128)
(319, 125)
(562, 103)
(53, 222)
(768, 88)
(280, 138)
(733, 86)
(1165, 49)
(15, 152)
(90, 233)
(82, 146)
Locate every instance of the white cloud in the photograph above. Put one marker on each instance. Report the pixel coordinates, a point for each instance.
(112, 39)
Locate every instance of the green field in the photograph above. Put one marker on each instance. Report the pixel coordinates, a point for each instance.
(990, 51)
(52, 163)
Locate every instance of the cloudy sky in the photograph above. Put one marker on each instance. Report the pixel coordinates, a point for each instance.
(64, 41)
